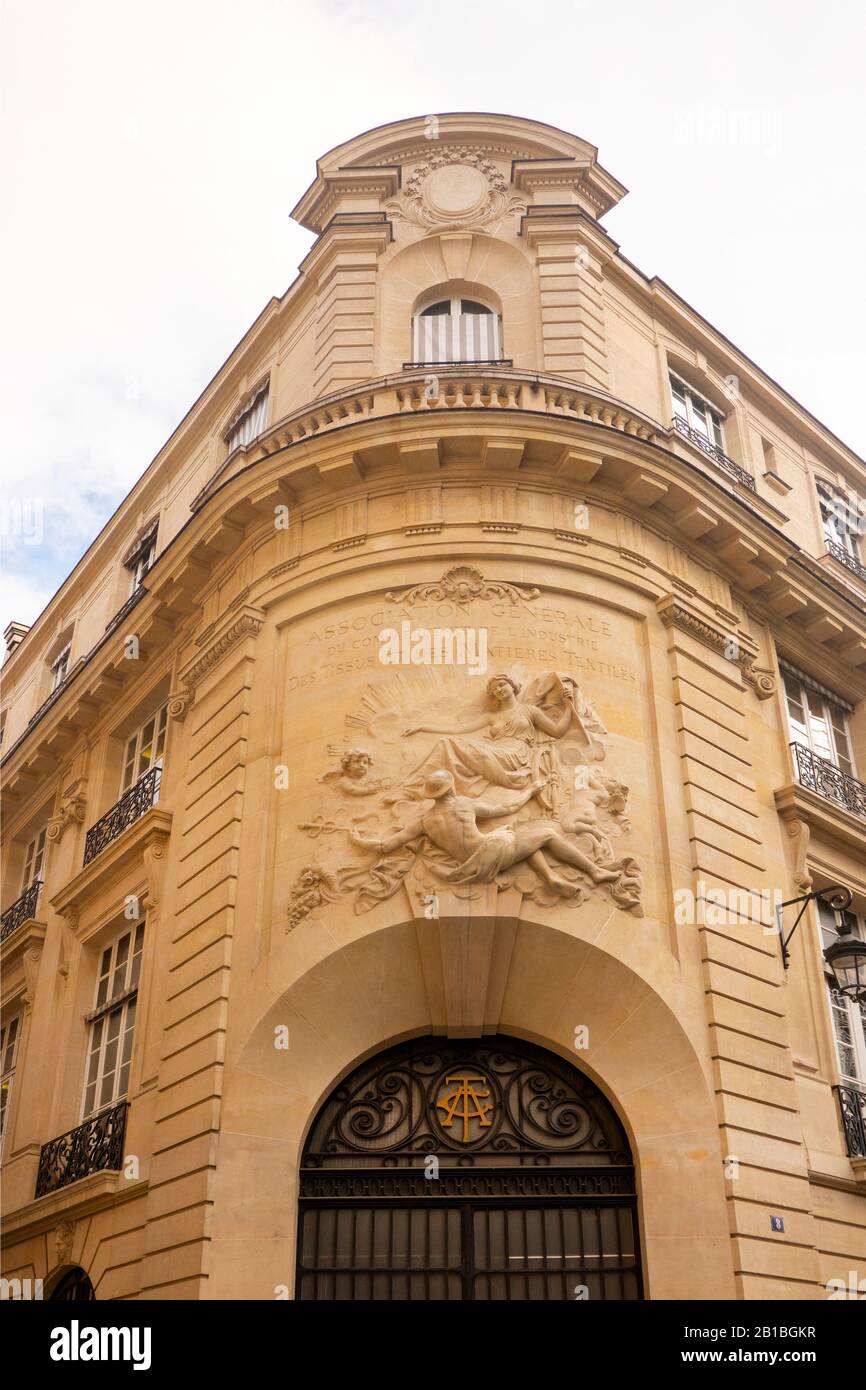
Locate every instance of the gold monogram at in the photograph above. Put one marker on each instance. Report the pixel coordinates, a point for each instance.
(467, 1102)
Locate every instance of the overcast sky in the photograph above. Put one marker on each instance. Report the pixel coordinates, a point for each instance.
(151, 153)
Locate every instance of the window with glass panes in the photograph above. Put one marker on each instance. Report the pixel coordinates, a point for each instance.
(8, 1056)
(34, 860)
(144, 749)
(848, 1015)
(112, 1022)
(141, 561)
(60, 668)
(457, 330)
(841, 518)
(250, 422)
(696, 412)
(818, 723)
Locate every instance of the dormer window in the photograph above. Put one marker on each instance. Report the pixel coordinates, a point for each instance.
(457, 330)
(693, 412)
(250, 422)
(141, 560)
(60, 668)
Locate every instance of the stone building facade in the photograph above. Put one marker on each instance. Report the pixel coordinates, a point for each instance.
(398, 794)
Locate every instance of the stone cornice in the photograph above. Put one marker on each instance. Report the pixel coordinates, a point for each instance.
(606, 450)
(676, 611)
(380, 182)
(82, 1198)
(512, 137)
(149, 831)
(232, 628)
(24, 948)
(835, 824)
(587, 181)
(373, 235)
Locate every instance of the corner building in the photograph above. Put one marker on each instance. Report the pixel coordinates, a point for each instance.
(389, 790)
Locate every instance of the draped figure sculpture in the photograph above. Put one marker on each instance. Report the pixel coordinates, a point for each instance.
(510, 746)
(532, 760)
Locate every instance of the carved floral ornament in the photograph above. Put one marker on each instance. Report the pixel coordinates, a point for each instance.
(461, 584)
(504, 787)
(457, 186)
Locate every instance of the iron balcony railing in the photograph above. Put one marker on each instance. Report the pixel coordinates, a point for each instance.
(715, 453)
(852, 1107)
(93, 1147)
(819, 775)
(57, 691)
(459, 362)
(134, 598)
(21, 910)
(131, 807)
(846, 558)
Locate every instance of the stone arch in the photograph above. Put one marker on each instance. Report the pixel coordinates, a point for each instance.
(69, 1283)
(370, 993)
(497, 271)
(533, 1191)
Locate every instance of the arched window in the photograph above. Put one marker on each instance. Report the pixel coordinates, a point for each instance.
(449, 1169)
(72, 1286)
(457, 330)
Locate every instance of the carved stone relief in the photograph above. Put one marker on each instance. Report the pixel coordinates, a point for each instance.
(460, 584)
(511, 790)
(71, 811)
(64, 1234)
(457, 186)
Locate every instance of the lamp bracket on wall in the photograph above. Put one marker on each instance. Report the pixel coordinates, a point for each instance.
(837, 897)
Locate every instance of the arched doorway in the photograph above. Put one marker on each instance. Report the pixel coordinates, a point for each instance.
(72, 1285)
(467, 1170)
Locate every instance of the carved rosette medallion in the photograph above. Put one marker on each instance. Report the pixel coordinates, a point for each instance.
(457, 186)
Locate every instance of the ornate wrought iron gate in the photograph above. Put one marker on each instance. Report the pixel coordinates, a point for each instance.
(467, 1170)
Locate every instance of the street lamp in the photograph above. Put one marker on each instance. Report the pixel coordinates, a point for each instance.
(846, 956)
